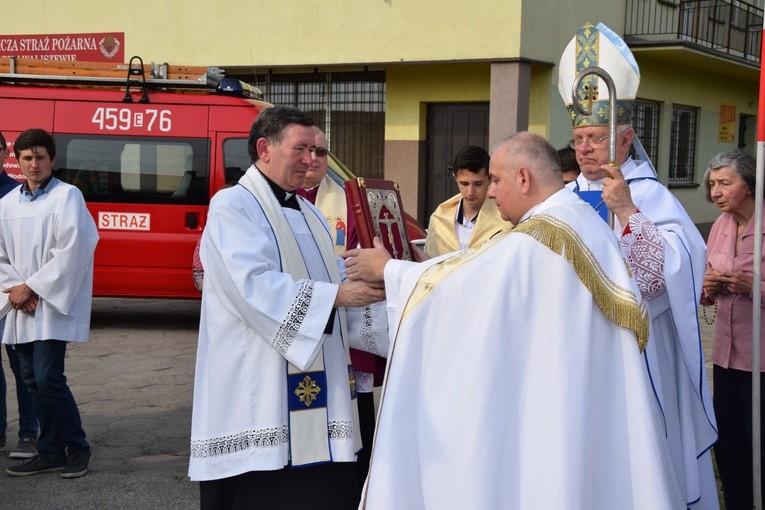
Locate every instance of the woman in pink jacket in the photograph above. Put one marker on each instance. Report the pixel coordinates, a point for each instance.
(729, 184)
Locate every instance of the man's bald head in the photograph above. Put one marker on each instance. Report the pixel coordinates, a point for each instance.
(524, 171)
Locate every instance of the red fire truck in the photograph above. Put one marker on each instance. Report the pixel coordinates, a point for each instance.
(147, 145)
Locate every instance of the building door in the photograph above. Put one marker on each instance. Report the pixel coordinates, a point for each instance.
(747, 130)
(449, 128)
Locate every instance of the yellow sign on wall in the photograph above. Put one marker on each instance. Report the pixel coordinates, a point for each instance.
(727, 130)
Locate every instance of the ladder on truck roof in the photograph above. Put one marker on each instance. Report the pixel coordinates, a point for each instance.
(105, 74)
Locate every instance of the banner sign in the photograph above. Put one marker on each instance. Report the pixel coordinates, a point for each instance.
(727, 126)
(92, 47)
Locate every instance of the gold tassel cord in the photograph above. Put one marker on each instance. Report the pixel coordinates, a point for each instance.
(618, 304)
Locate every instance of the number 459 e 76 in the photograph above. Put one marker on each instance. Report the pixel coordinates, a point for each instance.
(124, 119)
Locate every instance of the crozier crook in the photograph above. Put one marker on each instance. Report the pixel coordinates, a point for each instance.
(590, 96)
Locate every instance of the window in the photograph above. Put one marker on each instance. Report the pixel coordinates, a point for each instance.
(682, 143)
(135, 169)
(645, 121)
(236, 159)
(348, 106)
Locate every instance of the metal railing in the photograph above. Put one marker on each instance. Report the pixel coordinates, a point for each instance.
(732, 27)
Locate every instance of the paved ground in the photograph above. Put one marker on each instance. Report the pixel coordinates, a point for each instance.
(133, 382)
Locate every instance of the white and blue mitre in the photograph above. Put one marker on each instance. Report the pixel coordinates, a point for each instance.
(598, 46)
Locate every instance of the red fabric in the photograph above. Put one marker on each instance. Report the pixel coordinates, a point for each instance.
(361, 361)
(308, 194)
(196, 263)
(627, 229)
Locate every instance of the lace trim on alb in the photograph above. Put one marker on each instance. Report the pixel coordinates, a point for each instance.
(367, 337)
(340, 429)
(365, 381)
(288, 331)
(644, 251)
(260, 438)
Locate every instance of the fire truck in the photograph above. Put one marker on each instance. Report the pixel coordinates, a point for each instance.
(148, 145)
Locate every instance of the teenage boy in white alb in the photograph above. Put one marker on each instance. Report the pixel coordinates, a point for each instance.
(47, 241)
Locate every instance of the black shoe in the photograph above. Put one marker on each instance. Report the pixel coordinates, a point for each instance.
(76, 464)
(36, 466)
(27, 449)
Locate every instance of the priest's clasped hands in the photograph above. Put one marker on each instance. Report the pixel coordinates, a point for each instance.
(364, 270)
(365, 267)
(367, 264)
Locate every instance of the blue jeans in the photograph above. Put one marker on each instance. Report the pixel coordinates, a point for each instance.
(27, 416)
(42, 368)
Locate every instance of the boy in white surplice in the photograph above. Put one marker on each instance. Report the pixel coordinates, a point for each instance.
(47, 242)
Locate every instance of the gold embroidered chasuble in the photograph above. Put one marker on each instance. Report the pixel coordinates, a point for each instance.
(529, 344)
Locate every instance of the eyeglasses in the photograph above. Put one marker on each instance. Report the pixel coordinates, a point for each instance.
(596, 142)
(320, 152)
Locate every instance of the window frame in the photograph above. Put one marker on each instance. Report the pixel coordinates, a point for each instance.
(349, 106)
(647, 127)
(683, 143)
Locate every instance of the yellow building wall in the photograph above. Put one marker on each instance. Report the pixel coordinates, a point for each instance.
(549, 26)
(540, 100)
(672, 84)
(409, 88)
(693, 87)
(285, 32)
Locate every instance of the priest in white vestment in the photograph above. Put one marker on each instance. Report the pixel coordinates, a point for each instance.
(275, 422)
(663, 248)
(515, 379)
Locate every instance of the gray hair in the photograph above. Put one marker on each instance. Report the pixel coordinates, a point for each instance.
(740, 161)
(534, 147)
